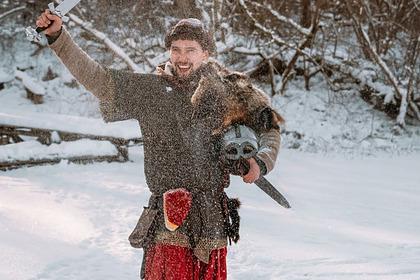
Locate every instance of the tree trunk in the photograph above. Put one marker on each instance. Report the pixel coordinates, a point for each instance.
(186, 9)
(306, 13)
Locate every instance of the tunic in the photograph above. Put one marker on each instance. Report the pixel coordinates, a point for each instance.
(163, 108)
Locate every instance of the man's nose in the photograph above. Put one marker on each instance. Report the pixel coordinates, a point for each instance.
(183, 57)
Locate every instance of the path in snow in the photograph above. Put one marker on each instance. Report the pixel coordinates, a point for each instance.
(350, 219)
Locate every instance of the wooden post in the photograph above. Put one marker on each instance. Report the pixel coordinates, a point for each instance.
(34, 97)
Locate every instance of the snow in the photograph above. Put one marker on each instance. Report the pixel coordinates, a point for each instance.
(11, 11)
(326, 123)
(304, 31)
(33, 150)
(401, 92)
(352, 183)
(4, 77)
(350, 219)
(101, 36)
(128, 129)
(30, 83)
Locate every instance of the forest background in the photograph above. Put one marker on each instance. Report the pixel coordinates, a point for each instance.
(364, 49)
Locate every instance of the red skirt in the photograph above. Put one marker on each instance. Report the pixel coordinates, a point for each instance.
(170, 262)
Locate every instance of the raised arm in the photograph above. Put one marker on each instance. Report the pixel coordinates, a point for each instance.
(88, 72)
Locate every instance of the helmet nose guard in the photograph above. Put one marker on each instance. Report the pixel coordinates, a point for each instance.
(239, 142)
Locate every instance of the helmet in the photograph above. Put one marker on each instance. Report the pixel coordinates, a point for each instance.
(239, 141)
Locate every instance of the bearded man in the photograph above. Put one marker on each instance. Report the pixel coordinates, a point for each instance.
(184, 230)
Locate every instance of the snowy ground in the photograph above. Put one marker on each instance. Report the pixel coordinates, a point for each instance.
(350, 219)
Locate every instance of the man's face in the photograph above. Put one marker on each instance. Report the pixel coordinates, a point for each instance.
(187, 56)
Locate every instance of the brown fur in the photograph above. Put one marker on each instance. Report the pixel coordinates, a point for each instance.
(225, 98)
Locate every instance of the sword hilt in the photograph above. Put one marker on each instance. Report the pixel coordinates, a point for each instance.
(237, 167)
(241, 167)
(34, 35)
(244, 166)
(40, 29)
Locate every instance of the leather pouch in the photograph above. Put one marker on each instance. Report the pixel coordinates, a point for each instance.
(140, 235)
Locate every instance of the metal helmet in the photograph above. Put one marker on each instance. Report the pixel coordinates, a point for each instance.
(239, 141)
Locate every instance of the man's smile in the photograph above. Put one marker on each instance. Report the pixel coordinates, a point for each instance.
(183, 68)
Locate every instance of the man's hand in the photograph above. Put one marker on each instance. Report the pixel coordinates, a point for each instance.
(254, 172)
(45, 19)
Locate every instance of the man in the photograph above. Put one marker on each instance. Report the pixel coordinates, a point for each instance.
(184, 229)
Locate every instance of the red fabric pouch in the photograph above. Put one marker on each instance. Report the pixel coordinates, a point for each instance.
(176, 205)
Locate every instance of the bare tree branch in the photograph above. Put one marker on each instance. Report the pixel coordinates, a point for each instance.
(402, 95)
(282, 42)
(303, 45)
(104, 39)
(17, 9)
(298, 27)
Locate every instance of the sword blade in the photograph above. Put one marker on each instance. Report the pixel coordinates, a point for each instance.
(269, 189)
(65, 6)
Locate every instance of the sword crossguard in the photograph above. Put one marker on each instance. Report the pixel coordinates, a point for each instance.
(57, 12)
(34, 35)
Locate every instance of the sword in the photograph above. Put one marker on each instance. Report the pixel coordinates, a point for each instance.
(269, 189)
(242, 167)
(61, 10)
(240, 144)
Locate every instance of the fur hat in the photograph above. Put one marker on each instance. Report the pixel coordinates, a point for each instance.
(191, 29)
